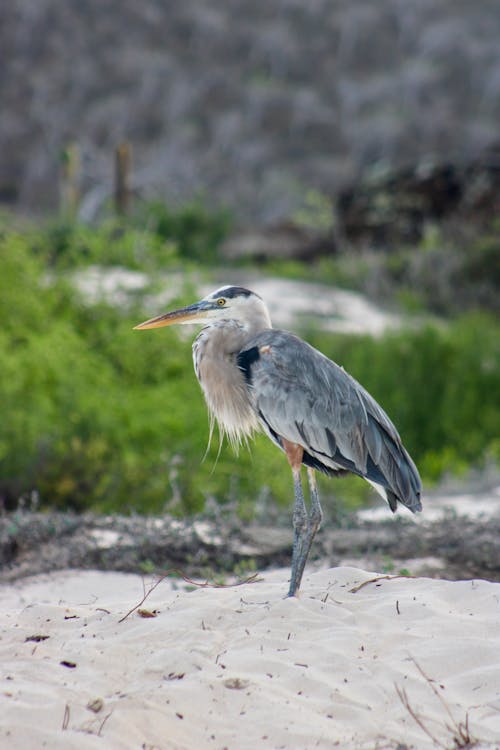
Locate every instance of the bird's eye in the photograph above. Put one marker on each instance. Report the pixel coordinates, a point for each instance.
(221, 301)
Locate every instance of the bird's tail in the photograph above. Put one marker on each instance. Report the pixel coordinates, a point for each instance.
(399, 482)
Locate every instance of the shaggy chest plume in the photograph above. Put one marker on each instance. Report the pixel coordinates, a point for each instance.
(215, 352)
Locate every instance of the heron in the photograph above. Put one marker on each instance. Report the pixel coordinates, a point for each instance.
(258, 378)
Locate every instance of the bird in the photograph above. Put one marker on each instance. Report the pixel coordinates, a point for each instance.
(258, 378)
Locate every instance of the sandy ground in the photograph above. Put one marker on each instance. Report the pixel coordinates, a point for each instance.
(244, 667)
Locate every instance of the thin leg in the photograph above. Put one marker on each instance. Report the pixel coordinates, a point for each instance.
(304, 526)
(313, 524)
(300, 530)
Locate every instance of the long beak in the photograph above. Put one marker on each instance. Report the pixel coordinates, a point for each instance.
(183, 315)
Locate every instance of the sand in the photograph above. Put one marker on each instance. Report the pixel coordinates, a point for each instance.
(244, 667)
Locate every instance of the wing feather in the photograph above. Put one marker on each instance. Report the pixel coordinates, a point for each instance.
(304, 397)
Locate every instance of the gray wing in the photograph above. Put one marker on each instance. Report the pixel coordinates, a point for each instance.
(302, 396)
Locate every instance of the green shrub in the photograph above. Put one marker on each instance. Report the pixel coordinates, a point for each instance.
(196, 231)
(154, 237)
(96, 415)
(440, 385)
(115, 242)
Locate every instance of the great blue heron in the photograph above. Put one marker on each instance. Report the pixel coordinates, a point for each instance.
(256, 377)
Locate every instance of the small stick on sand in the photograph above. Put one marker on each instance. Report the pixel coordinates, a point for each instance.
(375, 580)
(251, 579)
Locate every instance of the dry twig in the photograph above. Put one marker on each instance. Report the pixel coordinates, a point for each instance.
(375, 580)
(207, 584)
(459, 730)
(403, 697)
(65, 718)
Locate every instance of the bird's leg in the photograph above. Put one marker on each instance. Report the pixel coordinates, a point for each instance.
(304, 526)
(295, 453)
(313, 523)
(299, 529)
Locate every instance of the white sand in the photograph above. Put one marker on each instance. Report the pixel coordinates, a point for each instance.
(244, 667)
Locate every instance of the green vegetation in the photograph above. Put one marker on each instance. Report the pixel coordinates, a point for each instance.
(441, 386)
(95, 415)
(154, 237)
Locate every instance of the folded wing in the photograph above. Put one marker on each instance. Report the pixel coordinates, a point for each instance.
(302, 396)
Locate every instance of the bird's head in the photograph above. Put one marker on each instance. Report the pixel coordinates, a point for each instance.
(229, 303)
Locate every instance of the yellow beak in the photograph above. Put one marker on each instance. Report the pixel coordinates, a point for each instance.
(189, 314)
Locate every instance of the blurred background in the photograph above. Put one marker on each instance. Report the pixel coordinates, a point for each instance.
(342, 158)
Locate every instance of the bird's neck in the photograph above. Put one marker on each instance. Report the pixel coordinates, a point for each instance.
(215, 350)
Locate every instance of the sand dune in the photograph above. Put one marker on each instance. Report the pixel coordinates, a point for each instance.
(244, 667)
